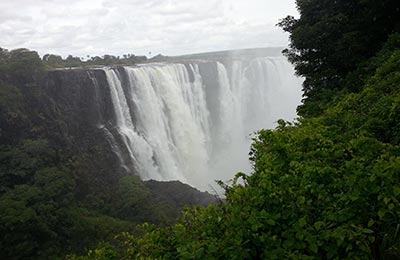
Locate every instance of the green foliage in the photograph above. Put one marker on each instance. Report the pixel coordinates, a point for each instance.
(12, 116)
(10, 98)
(131, 195)
(40, 217)
(375, 110)
(331, 39)
(18, 165)
(20, 70)
(25, 66)
(55, 61)
(21, 66)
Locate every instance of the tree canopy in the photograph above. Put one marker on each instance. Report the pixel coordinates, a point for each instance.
(333, 38)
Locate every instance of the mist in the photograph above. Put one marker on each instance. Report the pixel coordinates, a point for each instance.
(192, 119)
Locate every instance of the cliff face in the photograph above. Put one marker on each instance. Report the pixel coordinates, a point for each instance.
(73, 98)
(75, 107)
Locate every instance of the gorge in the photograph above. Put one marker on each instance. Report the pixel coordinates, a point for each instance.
(189, 118)
(116, 157)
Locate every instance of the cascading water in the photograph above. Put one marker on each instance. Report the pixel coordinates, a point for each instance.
(191, 121)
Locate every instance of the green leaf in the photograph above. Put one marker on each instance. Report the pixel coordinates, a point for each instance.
(371, 223)
(318, 225)
(314, 248)
(367, 231)
(302, 222)
(396, 190)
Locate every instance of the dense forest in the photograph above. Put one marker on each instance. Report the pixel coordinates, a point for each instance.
(324, 187)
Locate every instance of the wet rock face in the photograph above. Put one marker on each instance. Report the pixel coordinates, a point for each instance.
(179, 194)
(79, 99)
(75, 107)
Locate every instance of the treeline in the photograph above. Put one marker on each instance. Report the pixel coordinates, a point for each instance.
(56, 61)
(325, 187)
(51, 61)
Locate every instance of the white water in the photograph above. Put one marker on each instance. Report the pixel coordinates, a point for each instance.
(176, 127)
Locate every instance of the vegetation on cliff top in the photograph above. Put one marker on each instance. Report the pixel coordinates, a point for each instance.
(55, 61)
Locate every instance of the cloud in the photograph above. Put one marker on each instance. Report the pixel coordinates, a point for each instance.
(171, 27)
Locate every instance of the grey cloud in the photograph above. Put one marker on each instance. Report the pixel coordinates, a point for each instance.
(6, 16)
(68, 12)
(133, 3)
(171, 27)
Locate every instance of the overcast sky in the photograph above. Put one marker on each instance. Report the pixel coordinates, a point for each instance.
(170, 27)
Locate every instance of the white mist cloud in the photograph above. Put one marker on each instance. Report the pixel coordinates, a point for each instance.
(170, 27)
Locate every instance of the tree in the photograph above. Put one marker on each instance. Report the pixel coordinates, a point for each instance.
(20, 67)
(72, 61)
(332, 38)
(53, 60)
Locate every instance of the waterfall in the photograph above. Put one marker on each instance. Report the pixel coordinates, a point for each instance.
(191, 121)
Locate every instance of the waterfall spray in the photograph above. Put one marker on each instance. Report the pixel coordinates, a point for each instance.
(191, 121)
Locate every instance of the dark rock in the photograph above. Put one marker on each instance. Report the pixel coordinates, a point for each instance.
(179, 194)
